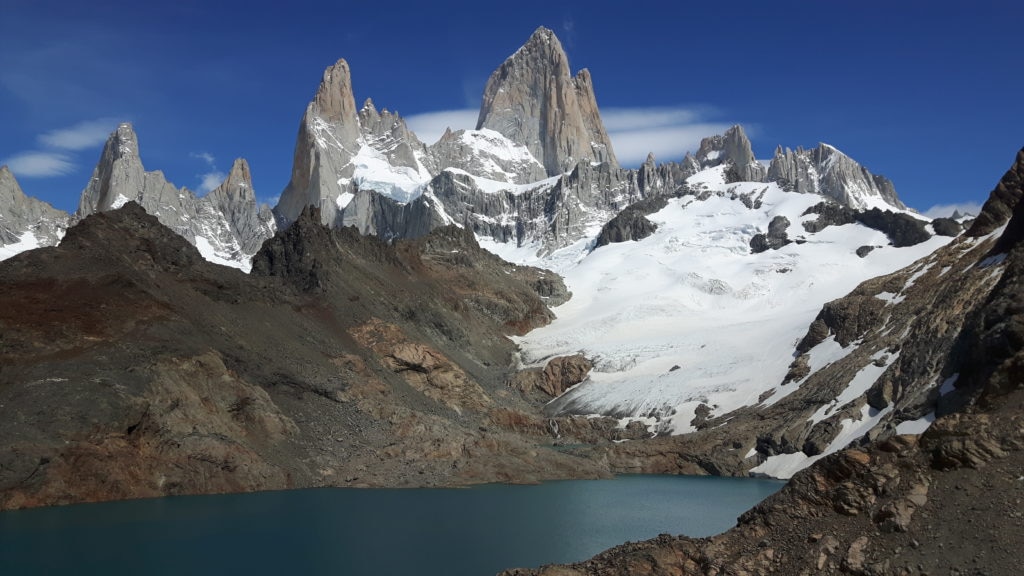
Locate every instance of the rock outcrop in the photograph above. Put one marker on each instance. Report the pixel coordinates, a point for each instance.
(901, 228)
(732, 148)
(26, 219)
(632, 222)
(775, 238)
(557, 376)
(534, 100)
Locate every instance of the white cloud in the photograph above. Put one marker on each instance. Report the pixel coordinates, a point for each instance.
(210, 180)
(39, 164)
(205, 157)
(83, 135)
(669, 143)
(619, 119)
(212, 177)
(668, 132)
(430, 126)
(946, 210)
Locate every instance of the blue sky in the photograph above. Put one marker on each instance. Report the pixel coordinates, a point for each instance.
(926, 93)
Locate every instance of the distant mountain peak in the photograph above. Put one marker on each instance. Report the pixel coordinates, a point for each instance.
(533, 100)
(240, 173)
(334, 100)
(828, 171)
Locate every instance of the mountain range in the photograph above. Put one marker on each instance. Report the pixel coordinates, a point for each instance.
(539, 170)
(415, 314)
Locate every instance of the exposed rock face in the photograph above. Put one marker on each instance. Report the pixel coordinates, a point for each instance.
(227, 224)
(731, 148)
(248, 222)
(358, 168)
(21, 215)
(316, 169)
(551, 213)
(534, 100)
(556, 377)
(1001, 203)
(119, 178)
(827, 171)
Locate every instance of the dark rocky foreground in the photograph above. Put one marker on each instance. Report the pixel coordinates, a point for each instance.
(950, 501)
(130, 367)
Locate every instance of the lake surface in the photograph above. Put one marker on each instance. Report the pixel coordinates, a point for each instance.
(346, 531)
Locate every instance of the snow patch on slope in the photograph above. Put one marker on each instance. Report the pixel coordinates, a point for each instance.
(374, 172)
(692, 295)
(26, 241)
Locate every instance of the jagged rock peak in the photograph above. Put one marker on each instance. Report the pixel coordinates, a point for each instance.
(239, 175)
(125, 139)
(237, 186)
(119, 175)
(731, 147)
(334, 100)
(237, 224)
(533, 100)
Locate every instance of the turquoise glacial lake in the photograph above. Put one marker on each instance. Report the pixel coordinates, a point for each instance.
(345, 531)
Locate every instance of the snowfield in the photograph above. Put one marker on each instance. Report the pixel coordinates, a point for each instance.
(689, 316)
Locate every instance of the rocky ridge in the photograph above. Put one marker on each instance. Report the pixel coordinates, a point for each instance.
(340, 360)
(228, 225)
(538, 171)
(827, 171)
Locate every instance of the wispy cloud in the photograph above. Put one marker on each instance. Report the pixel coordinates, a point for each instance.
(621, 119)
(430, 126)
(211, 180)
(668, 143)
(212, 177)
(81, 136)
(58, 160)
(667, 131)
(39, 164)
(946, 210)
(204, 156)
